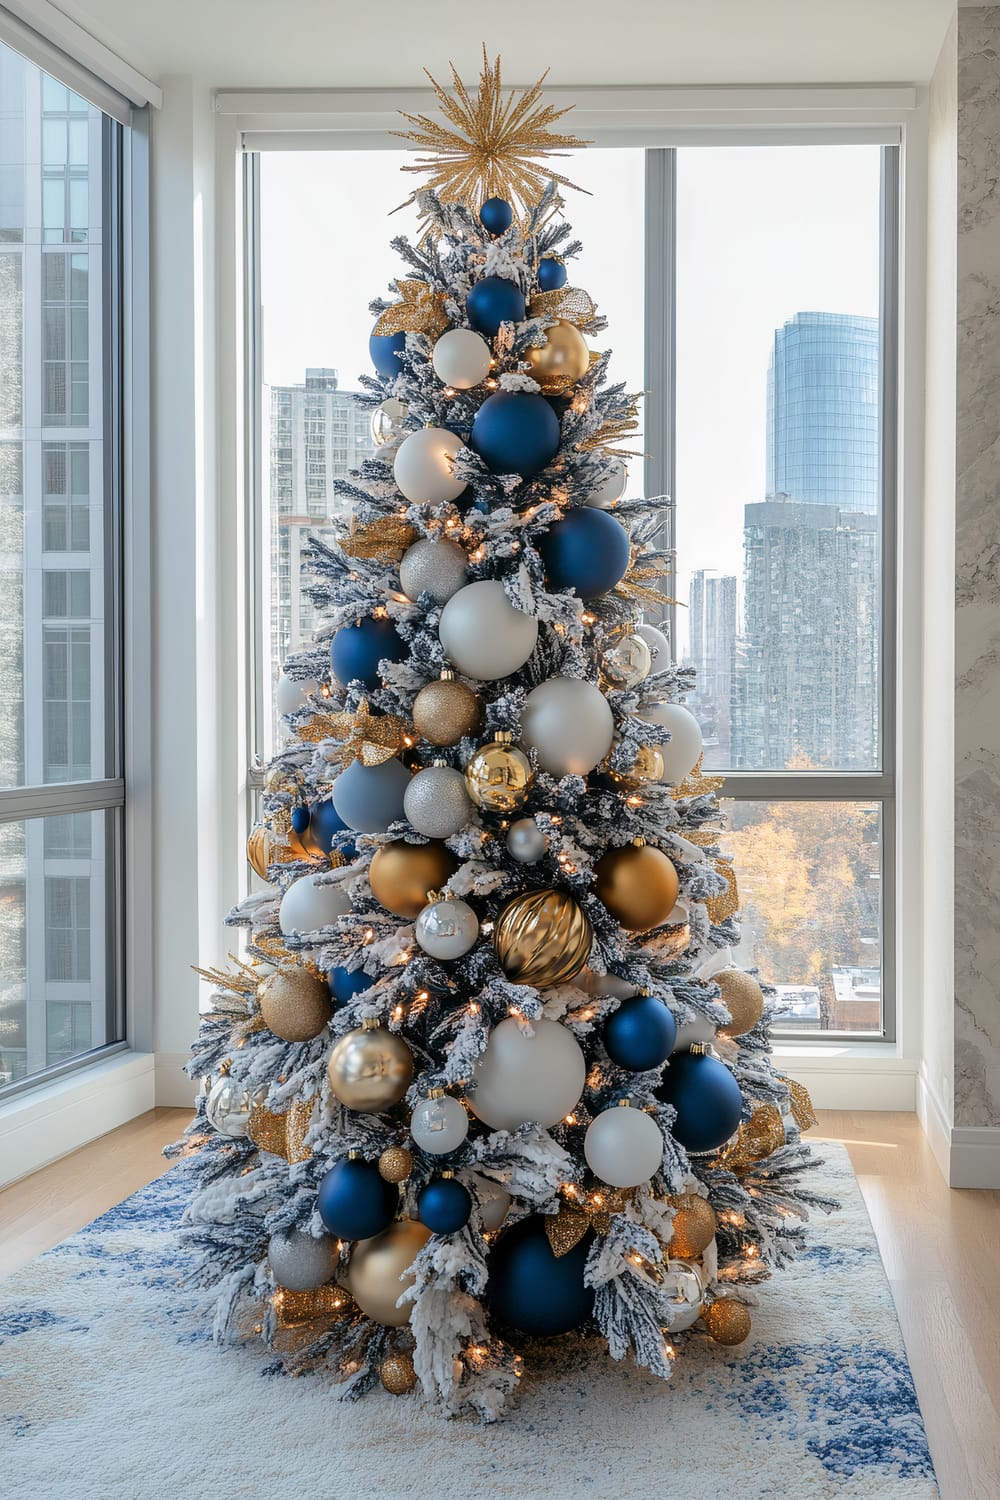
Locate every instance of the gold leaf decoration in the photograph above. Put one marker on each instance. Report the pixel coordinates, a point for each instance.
(420, 311)
(801, 1104)
(612, 433)
(594, 1211)
(243, 981)
(384, 540)
(569, 302)
(282, 1134)
(697, 784)
(490, 145)
(756, 1138)
(371, 738)
(720, 908)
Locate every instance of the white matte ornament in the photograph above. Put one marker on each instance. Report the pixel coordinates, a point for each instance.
(447, 929)
(495, 1205)
(525, 841)
(659, 646)
(684, 1287)
(605, 984)
(689, 1033)
(482, 633)
(300, 1261)
(389, 422)
(423, 466)
(461, 359)
(609, 491)
(229, 1104)
(435, 566)
(307, 905)
(570, 725)
(439, 1125)
(290, 696)
(680, 754)
(520, 1078)
(623, 1147)
(436, 802)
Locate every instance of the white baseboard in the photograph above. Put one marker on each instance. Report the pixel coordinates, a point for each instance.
(173, 1087)
(936, 1125)
(968, 1155)
(852, 1082)
(48, 1122)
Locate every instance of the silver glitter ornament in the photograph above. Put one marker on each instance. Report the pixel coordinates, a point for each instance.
(230, 1103)
(525, 841)
(436, 802)
(300, 1261)
(389, 421)
(626, 660)
(437, 567)
(447, 928)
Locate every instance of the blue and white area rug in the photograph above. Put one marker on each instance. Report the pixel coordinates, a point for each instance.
(109, 1390)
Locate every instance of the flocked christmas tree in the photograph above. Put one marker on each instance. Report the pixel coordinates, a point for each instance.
(486, 1071)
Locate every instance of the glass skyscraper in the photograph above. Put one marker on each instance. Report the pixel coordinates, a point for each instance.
(823, 411)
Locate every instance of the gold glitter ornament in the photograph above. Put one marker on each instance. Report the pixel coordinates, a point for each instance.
(397, 1374)
(395, 1164)
(638, 884)
(562, 360)
(694, 1226)
(294, 1004)
(727, 1320)
(499, 775)
(446, 711)
(420, 311)
(542, 938)
(370, 1069)
(328, 1303)
(401, 874)
(283, 1135)
(743, 998)
(486, 150)
(376, 1278)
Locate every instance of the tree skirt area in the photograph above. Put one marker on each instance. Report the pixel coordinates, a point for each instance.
(111, 1387)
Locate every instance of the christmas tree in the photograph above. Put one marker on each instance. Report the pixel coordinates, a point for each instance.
(485, 1071)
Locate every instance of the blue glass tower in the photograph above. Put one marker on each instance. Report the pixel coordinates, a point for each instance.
(823, 411)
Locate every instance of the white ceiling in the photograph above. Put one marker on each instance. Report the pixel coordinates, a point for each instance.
(379, 43)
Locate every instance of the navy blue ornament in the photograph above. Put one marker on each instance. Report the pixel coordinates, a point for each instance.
(355, 1202)
(706, 1097)
(384, 350)
(640, 1034)
(493, 301)
(516, 433)
(345, 983)
(444, 1205)
(496, 216)
(588, 550)
(533, 1290)
(551, 274)
(323, 824)
(356, 650)
(300, 817)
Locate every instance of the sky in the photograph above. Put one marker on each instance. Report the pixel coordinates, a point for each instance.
(763, 232)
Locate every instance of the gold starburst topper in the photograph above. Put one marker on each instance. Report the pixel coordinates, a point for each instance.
(491, 144)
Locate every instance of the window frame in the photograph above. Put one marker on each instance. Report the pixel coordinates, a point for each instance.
(660, 120)
(123, 267)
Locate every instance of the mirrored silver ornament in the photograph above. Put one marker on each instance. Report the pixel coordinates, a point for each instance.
(229, 1105)
(684, 1288)
(436, 801)
(439, 1124)
(389, 421)
(447, 929)
(525, 841)
(626, 660)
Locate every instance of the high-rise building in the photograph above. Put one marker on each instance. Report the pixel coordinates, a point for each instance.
(319, 433)
(712, 652)
(806, 672)
(54, 623)
(823, 411)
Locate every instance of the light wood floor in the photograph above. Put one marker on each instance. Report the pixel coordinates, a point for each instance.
(941, 1250)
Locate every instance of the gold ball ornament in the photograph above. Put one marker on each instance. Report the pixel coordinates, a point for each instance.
(401, 874)
(370, 1069)
(542, 938)
(727, 1320)
(395, 1164)
(499, 775)
(397, 1374)
(649, 763)
(376, 1277)
(743, 998)
(638, 884)
(694, 1226)
(562, 360)
(259, 851)
(445, 711)
(294, 1004)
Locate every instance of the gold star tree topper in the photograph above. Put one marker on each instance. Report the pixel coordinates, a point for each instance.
(491, 144)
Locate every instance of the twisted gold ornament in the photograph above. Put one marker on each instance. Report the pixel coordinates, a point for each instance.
(542, 938)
